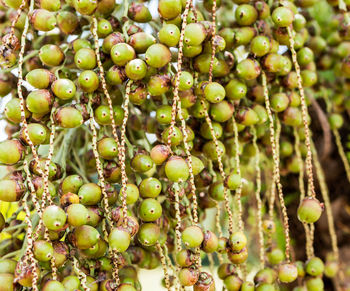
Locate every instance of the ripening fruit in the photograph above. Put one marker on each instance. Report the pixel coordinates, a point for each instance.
(11, 190)
(85, 236)
(309, 210)
(248, 69)
(141, 163)
(43, 250)
(85, 7)
(138, 12)
(238, 241)
(188, 276)
(77, 215)
(71, 184)
(107, 148)
(67, 21)
(159, 154)
(69, 117)
(214, 92)
(43, 20)
(40, 78)
(150, 187)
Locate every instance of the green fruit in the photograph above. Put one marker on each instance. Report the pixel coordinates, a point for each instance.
(260, 45)
(238, 241)
(150, 187)
(71, 283)
(136, 69)
(176, 137)
(275, 256)
(141, 41)
(309, 210)
(37, 133)
(158, 55)
(246, 14)
(85, 59)
(282, 16)
(85, 236)
(148, 234)
(131, 192)
(69, 117)
(169, 35)
(43, 20)
(7, 266)
(51, 55)
(169, 9)
(6, 281)
(176, 169)
(77, 215)
(233, 181)
(71, 184)
(40, 78)
(111, 40)
(85, 7)
(314, 284)
(150, 210)
(122, 53)
(119, 239)
(90, 194)
(158, 85)
(336, 120)
(107, 148)
(209, 149)
(11, 190)
(88, 81)
(235, 90)
(222, 111)
(195, 34)
(142, 163)
(279, 102)
(233, 283)
(192, 236)
(54, 217)
(214, 92)
(11, 151)
(248, 69)
(63, 89)
(247, 116)
(103, 117)
(39, 101)
(314, 266)
(43, 250)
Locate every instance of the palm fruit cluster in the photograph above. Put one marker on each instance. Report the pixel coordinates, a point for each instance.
(162, 134)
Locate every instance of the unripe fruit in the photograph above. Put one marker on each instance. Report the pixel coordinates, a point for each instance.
(150, 210)
(150, 187)
(282, 16)
(11, 151)
(176, 169)
(63, 89)
(141, 41)
(103, 117)
(77, 215)
(238, 241)
(246, 14)
(88, 81)
(119, 240)
(6, 281)
(11, 190)
(309, 210)
(90, 194)
(13, 110)
(158, 55)
(69, 117)
(247, 116)
(85, 59)
(136, 69)
(54, 217)
(85, 236)
(336, 120)
(235, 90)
(40, 78)
(142, 163)
(185, 258)
(85, 7)
(39, 101)
(37, 133)
(214, 92)
(260, 45)
(192, 236)
(169, 35)
(132, 193)
(51, 55)
(195, 34)
(176, 137)
(279, 102)
(43, 20)
(314, 284)
(122, 53)
(115, 75)
(71, 283)
(148, 234)
(107, 148)
(169, 9)
(248, 69)
(71, 184)
(43, 250)
(314, 266)
(7, 266)
(209, 149)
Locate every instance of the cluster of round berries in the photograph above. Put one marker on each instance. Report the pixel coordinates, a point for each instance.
(139, 139)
